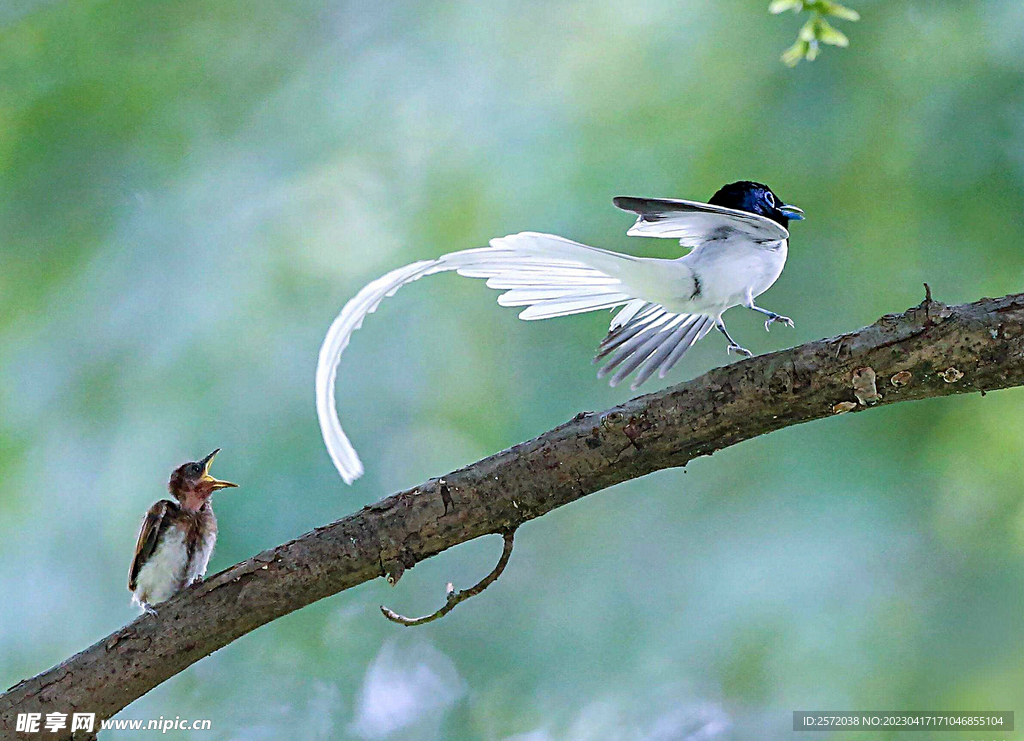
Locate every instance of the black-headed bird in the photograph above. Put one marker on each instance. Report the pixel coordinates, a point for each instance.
(739, 241)
(177, 538)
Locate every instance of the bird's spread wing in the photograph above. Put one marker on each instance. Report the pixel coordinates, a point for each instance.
(149, 534)
(694, 223)
(648, 335)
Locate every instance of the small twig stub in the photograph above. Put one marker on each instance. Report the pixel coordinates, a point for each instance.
(934, 311)
(446, 495)
(393, 570)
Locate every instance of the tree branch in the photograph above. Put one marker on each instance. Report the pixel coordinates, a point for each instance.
(929, 351)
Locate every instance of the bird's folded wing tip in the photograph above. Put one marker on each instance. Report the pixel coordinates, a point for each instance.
(632, 204)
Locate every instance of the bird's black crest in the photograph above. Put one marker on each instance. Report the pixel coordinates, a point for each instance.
(754, 198)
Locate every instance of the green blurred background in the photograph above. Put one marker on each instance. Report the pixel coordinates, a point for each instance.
(189, 192)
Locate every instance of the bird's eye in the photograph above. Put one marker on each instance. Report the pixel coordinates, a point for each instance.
(770, 198)
(194, 469)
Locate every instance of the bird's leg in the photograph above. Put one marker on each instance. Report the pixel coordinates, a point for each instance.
(147, 608)
(720, 325)
(772, 316)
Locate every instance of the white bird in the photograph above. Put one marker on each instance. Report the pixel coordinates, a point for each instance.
(739, 242)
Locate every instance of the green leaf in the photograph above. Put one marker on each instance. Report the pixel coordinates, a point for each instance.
(807, 31)
(837, 11)
(816, 30)
(828, 34)
(792, 56)
(781, 6)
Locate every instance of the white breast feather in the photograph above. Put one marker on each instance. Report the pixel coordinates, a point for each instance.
(161, 576)
(197, 569)
(729, 269)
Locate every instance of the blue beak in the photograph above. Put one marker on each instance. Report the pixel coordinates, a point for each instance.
(792, 212)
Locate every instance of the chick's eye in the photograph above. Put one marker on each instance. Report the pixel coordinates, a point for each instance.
(769, 198)
(193, 469)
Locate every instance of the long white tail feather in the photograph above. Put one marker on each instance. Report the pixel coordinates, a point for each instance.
(527, 296)
(550, 309)
(348, 321)
(550, 275)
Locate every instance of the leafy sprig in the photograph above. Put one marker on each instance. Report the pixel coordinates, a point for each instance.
(816, 31)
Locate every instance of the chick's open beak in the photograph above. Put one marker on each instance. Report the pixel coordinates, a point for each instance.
(792, 212)
(209, 480)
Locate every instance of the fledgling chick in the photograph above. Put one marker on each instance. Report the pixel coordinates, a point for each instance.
(177, 538)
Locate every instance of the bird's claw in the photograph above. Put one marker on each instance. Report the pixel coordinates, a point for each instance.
(739, 350)
(777, 318)
(148, 609)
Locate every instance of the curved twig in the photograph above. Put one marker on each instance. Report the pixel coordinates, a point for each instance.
(453, 598)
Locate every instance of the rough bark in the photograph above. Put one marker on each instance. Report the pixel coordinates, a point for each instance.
(928, 351)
